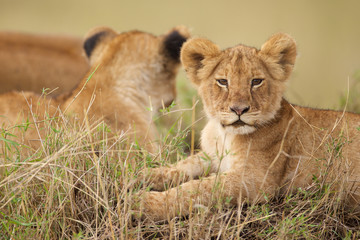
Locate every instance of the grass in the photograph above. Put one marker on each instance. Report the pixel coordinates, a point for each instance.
(350, 100)
(81, 185)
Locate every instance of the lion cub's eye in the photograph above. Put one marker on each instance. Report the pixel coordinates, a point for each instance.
(256, 82)
(222, 82)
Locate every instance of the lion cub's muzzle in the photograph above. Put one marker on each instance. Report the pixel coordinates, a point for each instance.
(239, 110)
(236, 121)
(168, 103)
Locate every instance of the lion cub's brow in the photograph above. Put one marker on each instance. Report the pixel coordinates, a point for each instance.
(240, 61)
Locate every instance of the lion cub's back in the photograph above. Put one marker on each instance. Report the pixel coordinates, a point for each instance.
(19, 111)
(337, 130)
(18, 107)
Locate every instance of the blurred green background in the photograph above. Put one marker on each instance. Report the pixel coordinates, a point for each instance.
(327, 31)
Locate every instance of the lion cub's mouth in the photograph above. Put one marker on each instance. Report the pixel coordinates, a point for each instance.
(238, 123)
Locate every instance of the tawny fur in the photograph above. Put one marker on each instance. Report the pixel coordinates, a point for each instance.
(33, 62)
(132, 72)
(270, 147)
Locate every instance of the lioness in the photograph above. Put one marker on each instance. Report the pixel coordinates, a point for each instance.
(256, 142)
(131, 71)
(33, 62)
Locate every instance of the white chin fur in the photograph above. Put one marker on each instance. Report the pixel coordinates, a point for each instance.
(240, 130)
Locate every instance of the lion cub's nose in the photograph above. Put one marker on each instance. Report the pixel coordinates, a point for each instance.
(239, 110)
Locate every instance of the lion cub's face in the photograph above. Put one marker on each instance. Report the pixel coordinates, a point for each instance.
(241, 87)
(138, 61)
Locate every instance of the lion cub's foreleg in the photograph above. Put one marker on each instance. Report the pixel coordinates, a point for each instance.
(232, 187)
(180, 200)
(183, 171)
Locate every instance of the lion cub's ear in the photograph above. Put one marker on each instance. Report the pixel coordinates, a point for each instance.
(194, 52)
(174, 40)
(93, 39)
(279, 53)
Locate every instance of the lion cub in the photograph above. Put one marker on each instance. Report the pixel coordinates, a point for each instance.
(31, 62)
(255, 143)
(131, 71)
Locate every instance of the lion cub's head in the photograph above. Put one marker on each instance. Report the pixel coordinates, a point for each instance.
(141, 64)
(241, 87)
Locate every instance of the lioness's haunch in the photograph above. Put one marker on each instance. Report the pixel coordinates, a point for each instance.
(255, 144)
(131, 72)
(33, 62)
